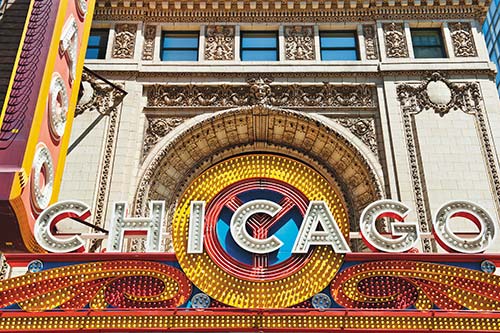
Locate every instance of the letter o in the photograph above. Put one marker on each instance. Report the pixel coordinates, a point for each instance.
(452, 242)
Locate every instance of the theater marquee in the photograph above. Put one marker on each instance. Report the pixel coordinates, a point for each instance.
(261, 244)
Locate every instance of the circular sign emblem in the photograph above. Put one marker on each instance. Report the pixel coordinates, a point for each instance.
(230, 273)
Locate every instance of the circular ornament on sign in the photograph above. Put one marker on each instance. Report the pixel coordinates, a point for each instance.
(200, 301)
(42, 181)
(58, 106)
(35, 266)
(488, 266)
(321, 301)
(247, 178)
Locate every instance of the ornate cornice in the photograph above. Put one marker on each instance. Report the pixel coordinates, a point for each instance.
(286, 11)
(310, 74)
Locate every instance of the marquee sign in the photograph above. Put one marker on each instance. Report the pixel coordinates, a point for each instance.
(258, 240)
(37, 115)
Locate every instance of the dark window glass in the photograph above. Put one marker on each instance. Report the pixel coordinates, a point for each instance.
(339, 45)
(98, 41)
(427, 43)
(179, 46)
(259, 46)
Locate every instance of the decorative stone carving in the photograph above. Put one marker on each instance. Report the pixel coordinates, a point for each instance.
(299, 42)
(465, 97)
(219, 42)
(156, 129)
(395, 40)
(124, 43)
(371, 45)
(440, 95)
(148, 47)
(363, 128)
(462, 39)
(262, 91)
(97, 95)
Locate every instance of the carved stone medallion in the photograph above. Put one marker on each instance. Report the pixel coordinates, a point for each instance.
(299, 42)
(440, 95)
(124, 43)
(462, 39)
(395, 40)
(219, 42)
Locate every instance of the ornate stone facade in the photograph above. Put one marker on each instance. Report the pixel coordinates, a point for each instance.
(299, 42)
(395, 40)
(371, 45)
(462, 39)
(148, 48)
(219, 42)
(124, 43)
(263, 91)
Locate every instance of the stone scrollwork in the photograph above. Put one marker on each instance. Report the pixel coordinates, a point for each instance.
(439, 94)
(97, 95)
(299, 42)
(124, 43)
(156, 129)
(462, 39)
(148, 47)
(395, 40)
(262, 91)
(363, 128)
(219, 42)
(371, 45)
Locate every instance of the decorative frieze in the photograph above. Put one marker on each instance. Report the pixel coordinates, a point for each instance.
(395, 40)
(462, 39)
(371, 45)
(219, 42)
(299, 42)
(156, 129)
(262, 91)
(148, 47)
(124, 43)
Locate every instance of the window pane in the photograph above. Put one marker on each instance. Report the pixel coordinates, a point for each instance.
(176, 40)
(338, 39)
(92, 53)
(94, 40)
(179, 55)
(339, 55)
(98, 40)
(427, 43)
(259, 55)
(428, 52)
(259, 40)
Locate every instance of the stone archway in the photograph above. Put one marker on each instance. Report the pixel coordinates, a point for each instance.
(207, 139)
